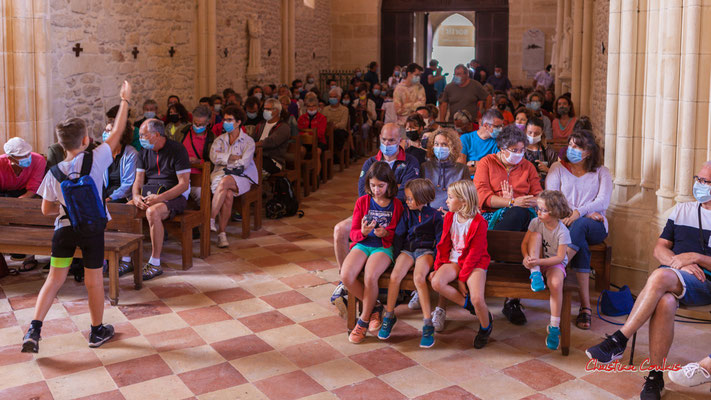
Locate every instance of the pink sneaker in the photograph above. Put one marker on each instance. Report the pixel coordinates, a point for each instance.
(358, 333)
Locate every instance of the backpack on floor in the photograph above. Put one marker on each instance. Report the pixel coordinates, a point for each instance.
(83, 205)
(283, 202)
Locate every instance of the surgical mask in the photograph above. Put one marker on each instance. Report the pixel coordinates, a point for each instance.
(149, 114)
(362, 97)
(251, 115)
(413, 135)
(25, 162)
(333, 101)
(501, 107)
(258, 95)
(521, 126)
(312, 113)
(456, 80)
(267, 114)
(218, 107)
(301, 89)
(198, 129)
(495, 132)
(396, 73)
(424, 141)
(702, 193)
(376, 92)
(311, 80)
(389, 150)
(497, 74)
(459, 130)
(345, 102)
(228, 126)
(533, 139)
(441, 153)
(146, 144)
(359, 74)
(563, 110)
(534, 105)
(173, 118)
(574, 155)
(514, 158)
(333, 86)
(415, 79)
(105, 135)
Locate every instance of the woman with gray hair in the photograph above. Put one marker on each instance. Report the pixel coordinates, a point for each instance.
(463, 122)
(273, 133)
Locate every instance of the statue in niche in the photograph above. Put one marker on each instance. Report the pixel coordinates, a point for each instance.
(254, 67)
(565, 48)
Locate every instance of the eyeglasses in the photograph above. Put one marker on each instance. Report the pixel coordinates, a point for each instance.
(702, 180)
(517, 151)
(496, 126)
(542, 210)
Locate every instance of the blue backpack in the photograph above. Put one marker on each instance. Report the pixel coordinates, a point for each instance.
(84, 207)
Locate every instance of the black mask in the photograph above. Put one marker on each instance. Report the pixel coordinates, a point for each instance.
(413, 135)
(173, 118)
(501, 106)
(424, 142)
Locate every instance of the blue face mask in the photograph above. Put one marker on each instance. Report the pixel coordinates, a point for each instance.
(25, 162)
(198, 129)
(534, 105)
(415, 79)
(702, 193)
(333, 101)
(149, 114)
(228, 126)
(105, 135)
(456, 80)
(267, 114)
(574, 155)
(376, 92)
(346, 102)
(312, 113)
(389, 150)
(441, 152)
(146, 144)
(251, 115)
(396, 73)
(495, 132)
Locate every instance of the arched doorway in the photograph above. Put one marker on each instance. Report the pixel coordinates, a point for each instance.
(454, 42)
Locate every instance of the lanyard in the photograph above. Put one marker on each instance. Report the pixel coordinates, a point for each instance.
(157, 163)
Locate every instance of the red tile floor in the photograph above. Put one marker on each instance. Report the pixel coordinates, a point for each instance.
(254, 321)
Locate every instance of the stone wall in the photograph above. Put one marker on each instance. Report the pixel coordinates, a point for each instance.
(355, 33)
(88, 85)
(598, 101)
(313, 38)
(525, 15)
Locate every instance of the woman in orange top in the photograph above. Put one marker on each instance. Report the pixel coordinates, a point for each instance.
(564, 118)
(502, 103)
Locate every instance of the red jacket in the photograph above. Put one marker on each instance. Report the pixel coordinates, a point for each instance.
(474, 254)
(318, 123)
(489, 174)
(362, 206)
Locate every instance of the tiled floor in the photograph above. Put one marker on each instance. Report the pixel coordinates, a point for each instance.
(253, 321)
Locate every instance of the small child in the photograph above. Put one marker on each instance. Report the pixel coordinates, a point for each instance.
(462, 255)
(375, 218)
(548, 231)
(419, 231)
(74, 139)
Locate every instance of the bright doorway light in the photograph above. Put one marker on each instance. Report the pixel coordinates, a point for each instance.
(454, 43)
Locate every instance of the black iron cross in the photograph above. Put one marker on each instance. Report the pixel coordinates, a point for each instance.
(77, 49)
(135, 52)
(171, 51)
(269, 53)
(226, 52)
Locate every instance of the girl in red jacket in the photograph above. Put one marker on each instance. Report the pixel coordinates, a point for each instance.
(462, 256)
(375, 218)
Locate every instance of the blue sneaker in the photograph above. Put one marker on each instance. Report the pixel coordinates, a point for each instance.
(386, 327)
(537, 281)
(553, 338)
(427, 340)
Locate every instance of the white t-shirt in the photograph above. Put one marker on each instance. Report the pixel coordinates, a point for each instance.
(50, 189)
(267, 128)
(551, 238)
(459, 237)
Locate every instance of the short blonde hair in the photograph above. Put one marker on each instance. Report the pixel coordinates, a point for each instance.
(465, 191)
(455, 144)
(556, 203)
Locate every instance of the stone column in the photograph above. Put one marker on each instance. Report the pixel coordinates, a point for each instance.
(586, 62)
(577, 50)
(613, 72)
(651, 89)
(206, 49)
(558, 43)
(288, 43)
(24, 72)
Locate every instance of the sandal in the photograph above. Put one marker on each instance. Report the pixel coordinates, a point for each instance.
(584, 319)
(27, 265)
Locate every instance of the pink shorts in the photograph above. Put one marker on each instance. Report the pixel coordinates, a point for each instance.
(544, 270)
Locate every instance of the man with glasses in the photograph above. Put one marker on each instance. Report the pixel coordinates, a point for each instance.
(482, 142)
(685, 256)
(161, 187)
(197, 139)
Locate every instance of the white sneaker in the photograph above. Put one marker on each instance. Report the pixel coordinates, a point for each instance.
(439, 316)
(222, 240)
(414, 303)
(690, 375)
(213, 227)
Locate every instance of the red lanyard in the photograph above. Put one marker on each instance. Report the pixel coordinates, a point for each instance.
(157, 164)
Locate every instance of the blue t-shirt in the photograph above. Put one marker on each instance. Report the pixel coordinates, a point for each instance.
(381, 214)
(475, 148)
(682, 229)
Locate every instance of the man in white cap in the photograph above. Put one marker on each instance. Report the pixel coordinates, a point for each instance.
(21, 170)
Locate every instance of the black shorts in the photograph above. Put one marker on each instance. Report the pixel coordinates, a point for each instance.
(176, 206)
(65, 242)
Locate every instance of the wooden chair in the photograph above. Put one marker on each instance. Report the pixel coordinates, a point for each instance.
(308, 165)
(292, 170)
(253, 197)
(327, 156)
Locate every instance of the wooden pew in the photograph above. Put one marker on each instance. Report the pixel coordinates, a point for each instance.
(254, 196)
(292, 169)
(25, 230)
(327, 156)
(309, 172)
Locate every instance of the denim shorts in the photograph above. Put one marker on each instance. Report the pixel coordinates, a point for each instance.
(369, 251)
(418, 253)
(694, 292)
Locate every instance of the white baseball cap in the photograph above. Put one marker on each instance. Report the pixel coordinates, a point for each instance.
(17, 147)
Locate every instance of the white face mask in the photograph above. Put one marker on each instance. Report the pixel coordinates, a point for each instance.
(533, 139)
(514, 158)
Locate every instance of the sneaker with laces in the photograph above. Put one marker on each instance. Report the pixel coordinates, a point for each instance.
(439, 317)
(414, 303)
(482, 337)
(537, 283)
(237, 217)
(512, 311)
(653, 388)
(376, 319)
(213, 227)
(101, 336)
(427, 340)
(358, 333)
(386, 328)
(150, 271)
(553, 338)
(30, 343)
(607, 351)
(222, 240)
(125, 267)
(690, 375)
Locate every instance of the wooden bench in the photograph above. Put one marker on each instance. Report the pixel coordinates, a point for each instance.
(506, 277)
(327, 156)
(181, 226)
(309, 173)
(27, 231)
(253, 197)
(601, 262)
(292, 170)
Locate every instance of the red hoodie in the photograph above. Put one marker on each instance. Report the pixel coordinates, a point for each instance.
(362, 206)
(318, 123)
(474, 254)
